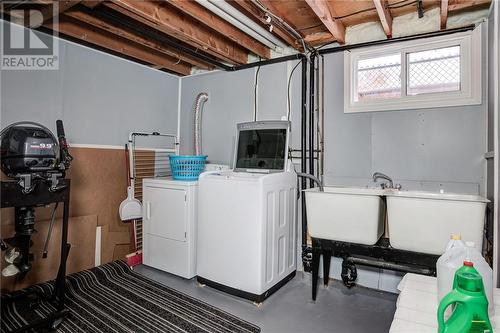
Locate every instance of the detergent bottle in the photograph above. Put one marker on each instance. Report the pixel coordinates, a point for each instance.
(470, 313)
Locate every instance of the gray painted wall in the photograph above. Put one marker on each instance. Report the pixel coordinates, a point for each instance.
(424, 149)
(100, 98)
(231, 101)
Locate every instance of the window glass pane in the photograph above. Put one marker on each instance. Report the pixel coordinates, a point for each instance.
(433, 71)
(379, 77)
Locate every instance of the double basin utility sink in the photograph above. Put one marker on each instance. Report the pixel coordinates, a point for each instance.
(416, 221)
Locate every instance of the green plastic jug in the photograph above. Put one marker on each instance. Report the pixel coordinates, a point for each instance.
(470, 313)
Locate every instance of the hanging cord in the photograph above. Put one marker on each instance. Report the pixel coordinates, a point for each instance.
(289, 111)
(311, 51)
(256, 84)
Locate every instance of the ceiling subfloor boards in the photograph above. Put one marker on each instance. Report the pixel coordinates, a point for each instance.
(325, 12)
(258, 16)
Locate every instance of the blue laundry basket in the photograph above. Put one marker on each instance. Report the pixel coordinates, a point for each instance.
(187, 167)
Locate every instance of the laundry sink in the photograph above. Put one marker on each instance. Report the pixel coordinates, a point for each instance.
(423, 221)
(346, 214)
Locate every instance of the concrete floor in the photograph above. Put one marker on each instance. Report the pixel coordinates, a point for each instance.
(337, 309)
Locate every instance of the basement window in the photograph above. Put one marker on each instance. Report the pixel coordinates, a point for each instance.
(429, 73)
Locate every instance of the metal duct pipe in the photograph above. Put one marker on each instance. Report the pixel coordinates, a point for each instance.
(200, 100)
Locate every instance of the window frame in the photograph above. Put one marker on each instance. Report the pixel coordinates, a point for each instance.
(470, 74)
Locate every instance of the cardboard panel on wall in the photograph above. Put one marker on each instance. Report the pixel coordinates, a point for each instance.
(81, 236)
(98, 185)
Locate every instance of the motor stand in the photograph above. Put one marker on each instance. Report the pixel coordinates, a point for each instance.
(42, 193)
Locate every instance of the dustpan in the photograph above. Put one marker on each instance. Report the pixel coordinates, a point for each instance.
(130, 208)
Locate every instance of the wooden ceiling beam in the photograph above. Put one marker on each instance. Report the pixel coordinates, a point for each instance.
(327, 15)
(172, 22)
(250, 10)
(91, 3)
(384, 15)
(457, 5)
(107, 40)
(213, 21)
(444, 13)
(319, 38)
(135, 37)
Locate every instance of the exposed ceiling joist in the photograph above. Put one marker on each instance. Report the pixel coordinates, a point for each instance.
(247, 7)
(49, 11)
(169, 20)
(456, 5)
(319, 38)
(198, 12)
(91, 3)
(327, 15)
(384, 15)
(104, 39)
(135, 37)
(444, 13)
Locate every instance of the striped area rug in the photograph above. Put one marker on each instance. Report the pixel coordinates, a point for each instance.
(113, 298)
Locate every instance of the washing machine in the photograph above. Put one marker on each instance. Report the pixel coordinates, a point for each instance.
(247, 230)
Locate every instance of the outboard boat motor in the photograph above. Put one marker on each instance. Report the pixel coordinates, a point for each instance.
(31, 154)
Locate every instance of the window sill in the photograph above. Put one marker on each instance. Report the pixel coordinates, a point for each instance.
(411, 103)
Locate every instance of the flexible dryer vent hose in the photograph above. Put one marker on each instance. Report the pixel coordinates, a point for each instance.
(200, 100)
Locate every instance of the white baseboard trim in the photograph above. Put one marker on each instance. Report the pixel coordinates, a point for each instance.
(94, 146)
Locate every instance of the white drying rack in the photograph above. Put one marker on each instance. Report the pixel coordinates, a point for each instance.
(147, 159)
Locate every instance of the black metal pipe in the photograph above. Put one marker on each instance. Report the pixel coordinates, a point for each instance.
(303, 136)
(395, 40)
(312, 95)
(390, 265)
(297, 56)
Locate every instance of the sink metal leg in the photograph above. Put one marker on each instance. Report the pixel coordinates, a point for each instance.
(315, 272)
(327, 257)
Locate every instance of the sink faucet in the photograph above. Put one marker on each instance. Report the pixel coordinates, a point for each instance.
(379, 175)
